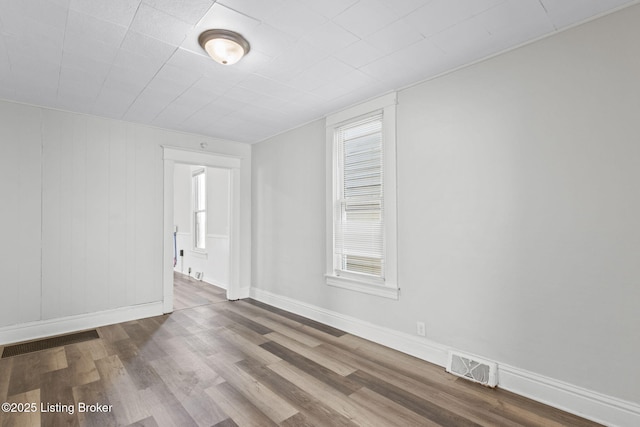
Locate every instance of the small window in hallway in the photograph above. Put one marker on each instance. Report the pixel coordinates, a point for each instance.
(199, 209)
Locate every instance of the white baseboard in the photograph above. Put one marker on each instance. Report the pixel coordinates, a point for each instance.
(63, 325)
(570, 398)
(421, 348)
(586, 403)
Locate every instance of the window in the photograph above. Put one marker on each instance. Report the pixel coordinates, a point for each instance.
(358, 231)
(361, 238)
(199, 188)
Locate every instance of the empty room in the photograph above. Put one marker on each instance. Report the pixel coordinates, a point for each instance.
(319, 213)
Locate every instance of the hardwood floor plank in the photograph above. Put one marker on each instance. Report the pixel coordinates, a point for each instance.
(328, 395)
(141, 372)
(112, 333)
(322, 337)
(158, 394)
(295, 334)
(259, 328)
(183, 381)
(389, 411)
(6, 367)
(314, 410)
(328, 362)
(204, 410)
(146, 348)
(183, 324)
(422, 383)
(81, 363)
(528, 412)
(190, 293)
(338, 382)
(214, 344)
(23, 419)
(300, 319)
(91, 393)
(173, 415)
(27, 368)
(147, 422)
(208, 318)
(248, 348)
(56, 388)
(255, 312)
(177, 345)
(524, 418)
(268, 402)
(397, 361)
(195, 364)
(121, 391)
(94, 348)
(172, 326)
(124, 349)
(155, 328)
(226, 423)
(412, 402)
(298, 420)
(243, 412)
(247, 333)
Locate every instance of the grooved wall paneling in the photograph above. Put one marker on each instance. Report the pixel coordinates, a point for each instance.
(20, 217)
(101, 233)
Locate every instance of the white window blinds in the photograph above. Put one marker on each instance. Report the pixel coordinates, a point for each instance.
(358, 209)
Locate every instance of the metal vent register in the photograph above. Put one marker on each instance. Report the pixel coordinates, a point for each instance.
(473, 369)
(47, 343)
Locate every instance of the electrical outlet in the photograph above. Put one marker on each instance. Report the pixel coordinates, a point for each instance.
(421, 329)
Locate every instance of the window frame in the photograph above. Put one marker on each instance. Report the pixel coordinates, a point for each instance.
(386, 286)
(194, 211)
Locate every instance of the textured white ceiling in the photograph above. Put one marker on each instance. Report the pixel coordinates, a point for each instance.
(139, 60)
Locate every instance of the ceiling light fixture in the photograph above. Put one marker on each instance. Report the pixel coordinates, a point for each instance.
(224, 46)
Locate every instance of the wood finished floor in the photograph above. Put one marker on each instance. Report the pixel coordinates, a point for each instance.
(219, 363)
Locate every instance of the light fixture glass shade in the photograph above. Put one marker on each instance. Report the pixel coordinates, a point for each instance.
(224, 51)
(224, 46)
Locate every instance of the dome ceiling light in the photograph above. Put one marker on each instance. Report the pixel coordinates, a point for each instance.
(224, 46)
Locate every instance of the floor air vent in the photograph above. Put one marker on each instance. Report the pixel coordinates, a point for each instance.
(473, 369)
(47, 343)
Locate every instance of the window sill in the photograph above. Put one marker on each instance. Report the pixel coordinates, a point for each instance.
(362, 286)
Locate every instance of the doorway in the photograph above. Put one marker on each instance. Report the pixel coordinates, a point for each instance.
(237, 222)
(201, 220)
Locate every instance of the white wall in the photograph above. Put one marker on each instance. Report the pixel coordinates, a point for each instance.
(518, 210)
(83, 214)
(215, 263)
(288, 215)
(101, 199)
(20, 213)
